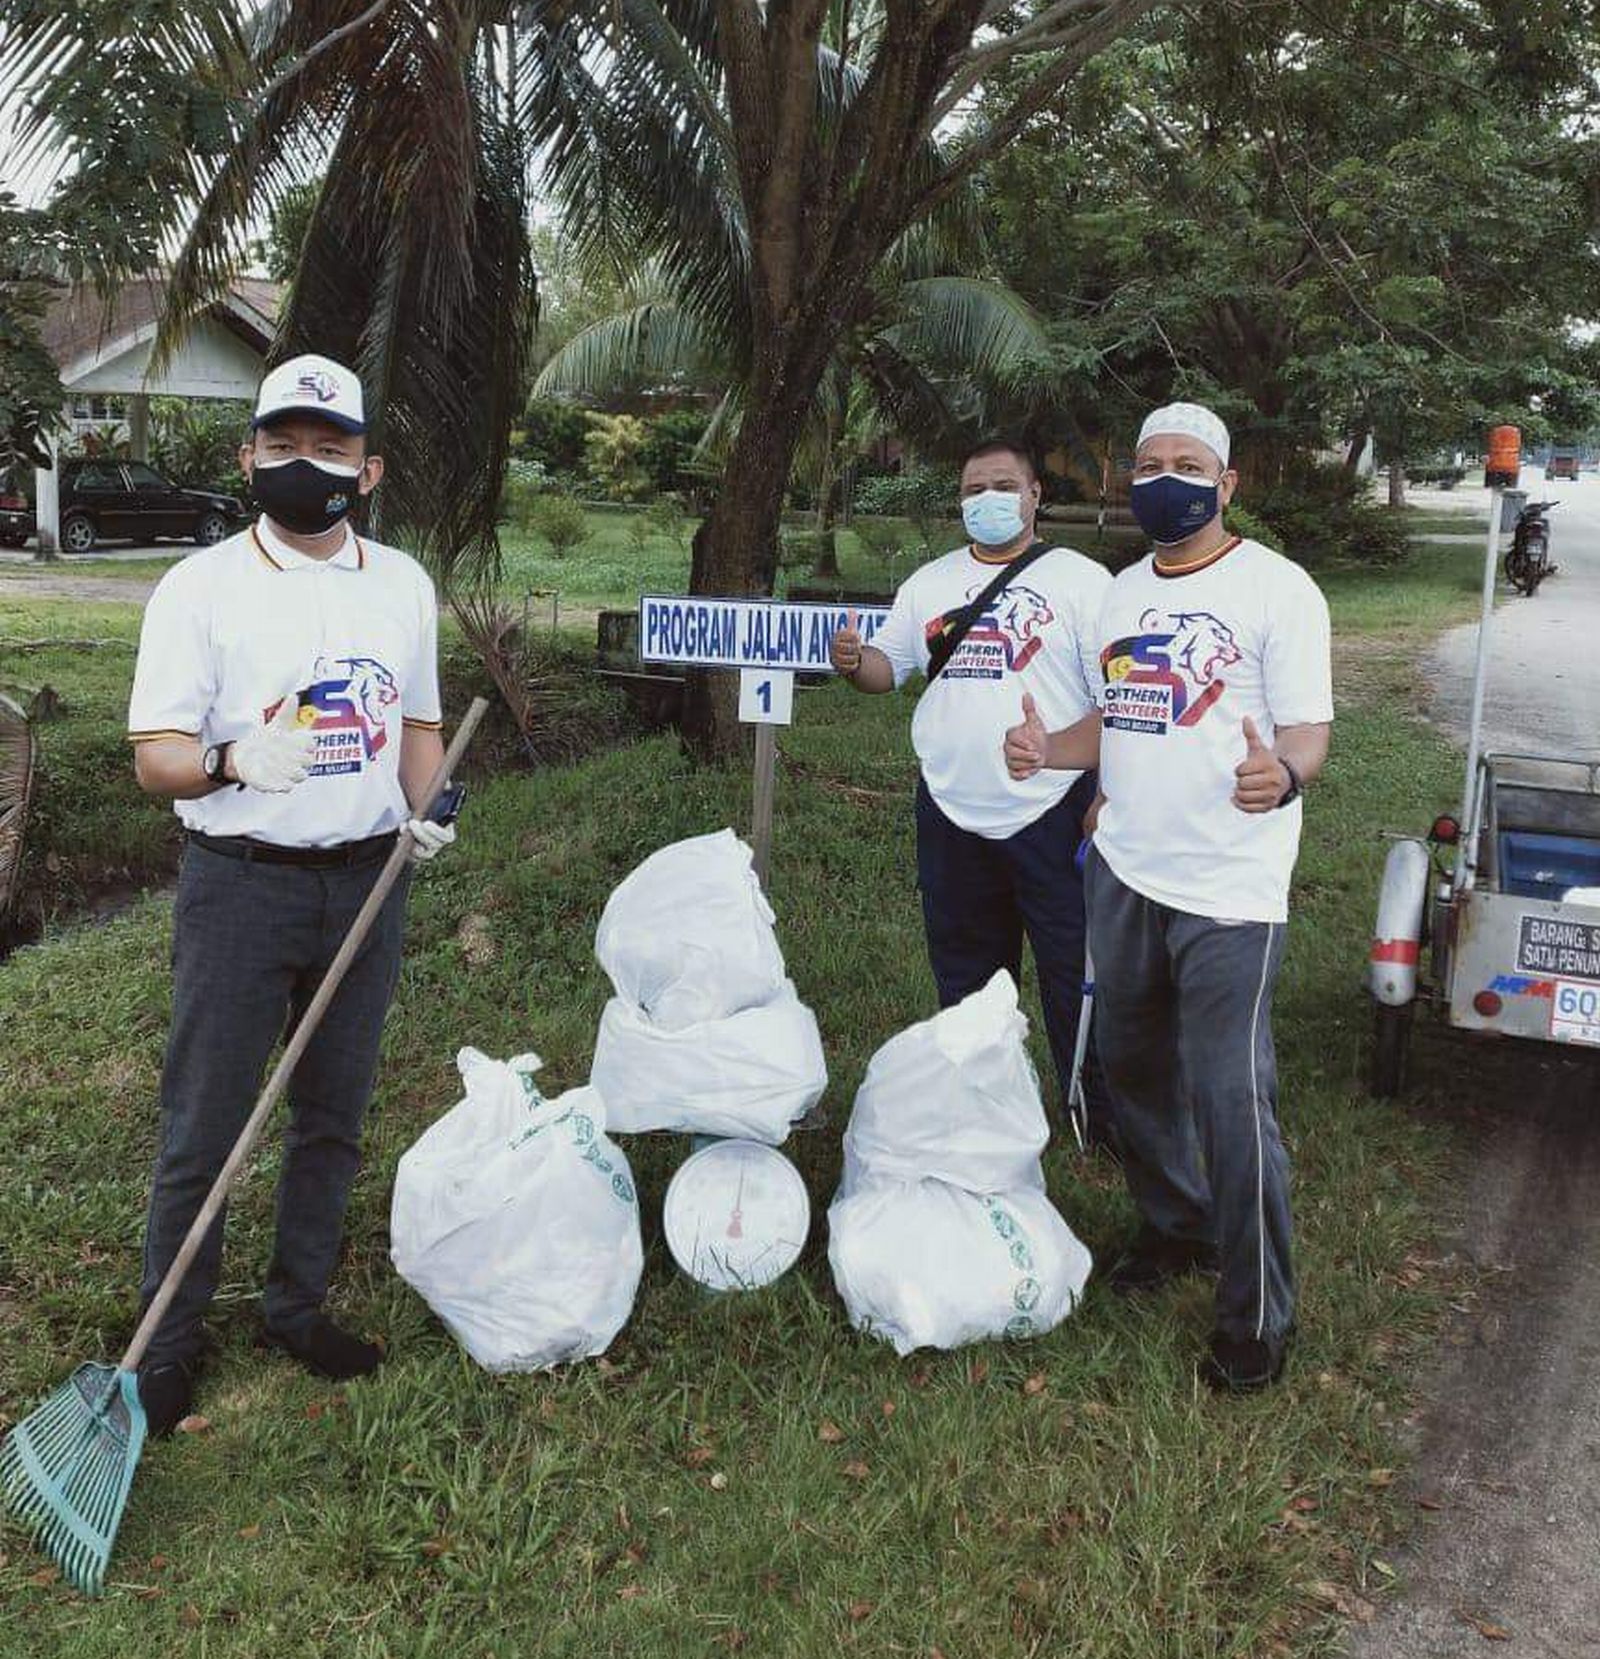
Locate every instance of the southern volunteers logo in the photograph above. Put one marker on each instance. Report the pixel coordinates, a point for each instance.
(317, 383)
(1009, 635)
(344, 705)
(1169, 673)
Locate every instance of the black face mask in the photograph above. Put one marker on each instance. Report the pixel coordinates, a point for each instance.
(304, 496)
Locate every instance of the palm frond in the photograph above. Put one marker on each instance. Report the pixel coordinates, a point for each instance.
(16, 796)
(985, 328)
(647, 345)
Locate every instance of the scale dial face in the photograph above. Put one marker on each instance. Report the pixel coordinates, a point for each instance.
(736, 1215)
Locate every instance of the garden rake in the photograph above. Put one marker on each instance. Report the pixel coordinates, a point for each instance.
(65, 1470)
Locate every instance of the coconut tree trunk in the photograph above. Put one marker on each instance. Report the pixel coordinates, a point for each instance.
(736, 552)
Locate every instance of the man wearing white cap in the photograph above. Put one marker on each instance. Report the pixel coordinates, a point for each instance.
(1215, 715)
(286, 699)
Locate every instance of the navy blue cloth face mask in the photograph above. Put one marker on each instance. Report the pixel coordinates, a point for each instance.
(1171, 507)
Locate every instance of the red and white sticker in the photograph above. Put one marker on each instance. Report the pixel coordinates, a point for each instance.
(1575, 1012)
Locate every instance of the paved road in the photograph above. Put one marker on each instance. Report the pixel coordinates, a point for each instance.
(1543, 690)
(1507, 1555)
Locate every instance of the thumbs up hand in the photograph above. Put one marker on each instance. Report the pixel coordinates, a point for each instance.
(844, 649)
(1026, 744)
(1260, 778)
(275, 757)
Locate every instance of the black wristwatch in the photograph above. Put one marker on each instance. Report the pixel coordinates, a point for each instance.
(1292, 793)
(214, 763)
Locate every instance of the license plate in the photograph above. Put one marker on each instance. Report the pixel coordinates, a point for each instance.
(1575, 1012)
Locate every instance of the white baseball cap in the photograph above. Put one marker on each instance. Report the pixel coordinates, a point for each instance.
(312, 385)
(1187, 420)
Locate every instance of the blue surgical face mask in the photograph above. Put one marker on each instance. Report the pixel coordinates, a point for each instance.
(992, 517)
(1171, 507)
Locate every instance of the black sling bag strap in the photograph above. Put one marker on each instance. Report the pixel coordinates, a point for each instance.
(959, 625)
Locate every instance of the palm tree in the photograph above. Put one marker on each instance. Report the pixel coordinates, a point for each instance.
(787, 141)
(885, 376)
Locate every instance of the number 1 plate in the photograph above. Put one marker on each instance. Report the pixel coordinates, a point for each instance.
(1575, 1012)
(766, 696)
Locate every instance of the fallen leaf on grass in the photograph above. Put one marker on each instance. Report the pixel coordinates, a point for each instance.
(719, 1482)
(1342, 1601)
(435, 1547)
(856, 1470)
(45, 1576)
(733, 1640)
(251, 1531)
(630, 1592)
(919, 1378)
(888, 1408)
(1305, 1503)
(830, 1434)
(158, 1563)
(1380, 1477)
(978, 1371)
(314, 1411)
(858, 1610)
(194, 1423)
(1489, 1632)
(190, 1615)
(697, 1457)
(149, 1592)
(1035, 1384)
(1426, 1502)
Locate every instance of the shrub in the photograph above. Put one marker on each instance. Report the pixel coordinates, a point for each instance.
(612, 456)
(667, 453)
(917, 492)
(667, 518)
(560, 521)
(196, 445)
(553, 433)
(1322, 513)
(883, 537)
(526, 481)
(1240, 521)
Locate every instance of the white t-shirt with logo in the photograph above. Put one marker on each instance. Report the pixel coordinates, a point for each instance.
(1037, 637)
(1184, 659)
(233, 629)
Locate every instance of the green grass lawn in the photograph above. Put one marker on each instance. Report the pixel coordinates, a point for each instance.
(1077, 1495)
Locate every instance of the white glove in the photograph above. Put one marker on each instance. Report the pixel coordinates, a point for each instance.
(275, 757)
(429, 839)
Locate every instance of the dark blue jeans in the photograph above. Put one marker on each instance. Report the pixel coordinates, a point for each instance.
(980, 898)
(250, 945)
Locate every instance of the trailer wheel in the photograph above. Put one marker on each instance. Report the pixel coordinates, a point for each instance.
(1391, 1036)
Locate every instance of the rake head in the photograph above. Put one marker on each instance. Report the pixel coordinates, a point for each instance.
(66, 1469)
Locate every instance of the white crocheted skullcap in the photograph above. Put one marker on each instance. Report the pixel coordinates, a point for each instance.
(1189, 420)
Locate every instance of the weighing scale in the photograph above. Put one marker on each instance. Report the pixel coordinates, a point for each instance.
(736, 1215)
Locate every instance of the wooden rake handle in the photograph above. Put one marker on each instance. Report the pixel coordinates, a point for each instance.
(293, 1049)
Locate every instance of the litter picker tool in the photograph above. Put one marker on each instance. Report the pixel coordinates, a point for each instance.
(65, 1470)
(1077, 1094)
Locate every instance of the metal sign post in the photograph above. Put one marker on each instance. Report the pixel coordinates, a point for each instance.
(769, 641)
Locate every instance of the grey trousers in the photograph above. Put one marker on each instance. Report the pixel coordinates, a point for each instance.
(1183, 1013)
(250, 944)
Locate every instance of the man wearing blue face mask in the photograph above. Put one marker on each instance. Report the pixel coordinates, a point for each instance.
(1001, 623)
(1216, 710)
(286, 699)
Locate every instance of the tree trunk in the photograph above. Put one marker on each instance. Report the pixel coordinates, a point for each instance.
(826, 567)
(736, 552)
(1397, 481)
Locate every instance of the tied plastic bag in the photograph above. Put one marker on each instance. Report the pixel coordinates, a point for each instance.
(515, 1219)
(687, 937)
(748, 1076)
(954, 1097)
(924, 1264)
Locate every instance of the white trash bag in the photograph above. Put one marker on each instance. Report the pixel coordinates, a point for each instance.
(750, 1075)
(516, 1220)
(923, 1264)
(687, 937)
(954, 1097)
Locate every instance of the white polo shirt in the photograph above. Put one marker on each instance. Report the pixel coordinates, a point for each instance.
(232, 630)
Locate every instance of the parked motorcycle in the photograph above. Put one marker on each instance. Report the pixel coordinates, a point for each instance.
(1528, 558)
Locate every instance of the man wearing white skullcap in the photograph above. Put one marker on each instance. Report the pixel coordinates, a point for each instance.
(1215, 714)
